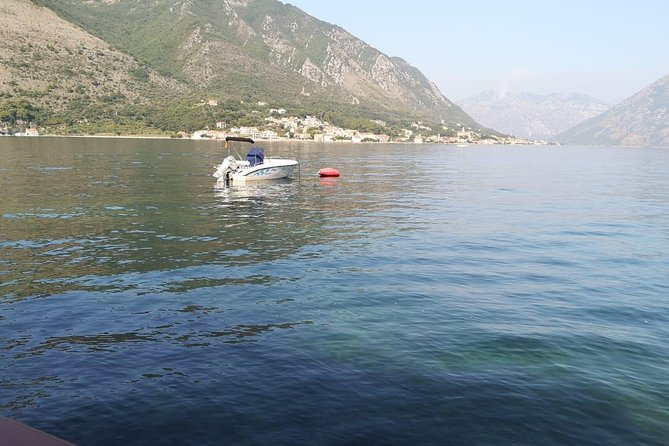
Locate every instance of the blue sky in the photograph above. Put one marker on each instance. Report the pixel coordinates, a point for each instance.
(606, 49)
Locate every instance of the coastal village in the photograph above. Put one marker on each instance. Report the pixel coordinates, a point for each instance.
(281, 126)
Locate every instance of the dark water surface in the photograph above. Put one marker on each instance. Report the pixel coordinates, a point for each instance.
(432, 295)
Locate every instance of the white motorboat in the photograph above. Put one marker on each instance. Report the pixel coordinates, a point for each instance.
(255, 168)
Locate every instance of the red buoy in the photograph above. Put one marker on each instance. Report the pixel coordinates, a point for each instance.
(329, 172)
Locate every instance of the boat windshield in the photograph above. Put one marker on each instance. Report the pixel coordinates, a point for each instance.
(256, 156)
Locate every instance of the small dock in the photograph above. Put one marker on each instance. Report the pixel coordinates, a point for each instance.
(13, 433)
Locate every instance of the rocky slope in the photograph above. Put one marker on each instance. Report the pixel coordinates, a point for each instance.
(261, 50)
(641, 120)
(53, 63)
(531, 115)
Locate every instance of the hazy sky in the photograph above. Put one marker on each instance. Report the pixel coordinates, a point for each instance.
(606, 49)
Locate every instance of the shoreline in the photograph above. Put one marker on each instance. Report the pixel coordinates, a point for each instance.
(308, 141)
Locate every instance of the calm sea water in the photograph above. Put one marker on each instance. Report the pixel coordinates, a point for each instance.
(431, 295)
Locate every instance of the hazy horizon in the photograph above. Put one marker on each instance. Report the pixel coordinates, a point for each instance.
(606, 50)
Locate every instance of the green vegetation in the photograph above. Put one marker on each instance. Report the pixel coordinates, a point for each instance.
(13, 111)
(203, 53)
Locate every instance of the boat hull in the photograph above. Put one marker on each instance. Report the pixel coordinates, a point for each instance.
(271, 169)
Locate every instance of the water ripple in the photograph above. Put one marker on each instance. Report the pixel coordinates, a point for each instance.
(507, 296)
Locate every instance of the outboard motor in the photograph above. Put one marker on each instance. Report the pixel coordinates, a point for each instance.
(228, 166)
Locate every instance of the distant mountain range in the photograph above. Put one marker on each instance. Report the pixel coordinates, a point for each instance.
(641, 120)
(531, 115)
(149, 60)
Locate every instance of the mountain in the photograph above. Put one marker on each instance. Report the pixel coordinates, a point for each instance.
(48, 63)
(641, 120)
(246, 50)
(531, 115)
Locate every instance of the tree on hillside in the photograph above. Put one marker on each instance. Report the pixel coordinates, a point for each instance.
(19, 110)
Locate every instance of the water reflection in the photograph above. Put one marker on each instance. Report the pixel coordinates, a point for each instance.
(116, 208)
(175, 333)
(240, 333)
(28, 391)
(95, 343)
(270, 193)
